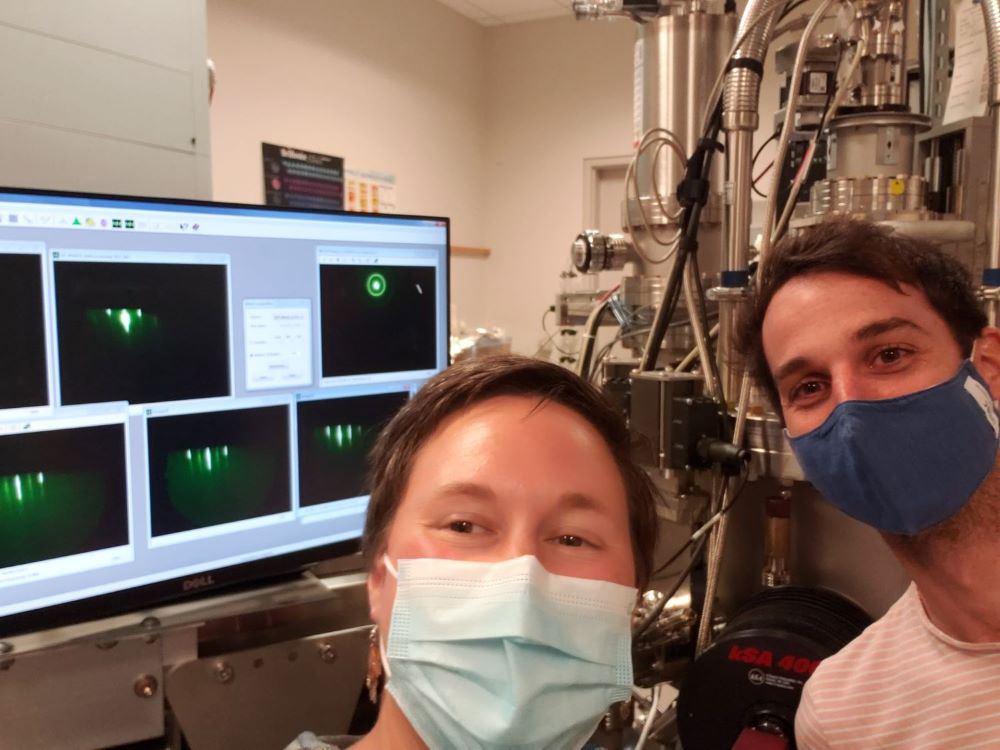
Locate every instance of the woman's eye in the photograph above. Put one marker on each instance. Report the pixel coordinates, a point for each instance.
(462, 527)
(571, 540)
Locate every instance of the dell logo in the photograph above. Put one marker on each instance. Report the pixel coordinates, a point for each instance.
(198, 582)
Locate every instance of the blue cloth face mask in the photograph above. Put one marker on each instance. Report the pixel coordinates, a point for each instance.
(506, 654)
(905, 464)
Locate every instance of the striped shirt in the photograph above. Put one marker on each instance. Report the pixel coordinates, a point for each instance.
(903, 683)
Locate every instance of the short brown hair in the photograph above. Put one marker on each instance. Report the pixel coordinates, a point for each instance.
(862, 249)
(473, 381)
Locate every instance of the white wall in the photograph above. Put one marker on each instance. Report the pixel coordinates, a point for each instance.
(105, 96)
(389, 85)
(560, 91)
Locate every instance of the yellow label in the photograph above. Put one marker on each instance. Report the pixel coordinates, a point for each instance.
(897, 187)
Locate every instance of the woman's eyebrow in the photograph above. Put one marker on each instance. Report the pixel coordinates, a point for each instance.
(465, 489)
(579, 501)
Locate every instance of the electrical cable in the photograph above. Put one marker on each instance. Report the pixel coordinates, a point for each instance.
(673, 216)
(699, 327)
(705, 527)
(692, 355)
(550, 338)
(753, 162)
(791, 8)
(687, 237)
(713, 362)
(650, 617)
(758, 178)
(760, 149)
(663, 137)
(697, 178)
(791, 105)
(590, 330)
(717, 541)
(828, 115)
(654, 702)
(605, 351)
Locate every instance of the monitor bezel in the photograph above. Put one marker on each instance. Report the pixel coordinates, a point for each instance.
(143, 598)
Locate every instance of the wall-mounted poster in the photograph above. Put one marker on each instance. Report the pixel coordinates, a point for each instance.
(374, 192)
(302, 179)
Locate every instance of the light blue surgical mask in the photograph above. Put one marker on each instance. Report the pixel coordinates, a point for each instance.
(905, 464)
(506, 654)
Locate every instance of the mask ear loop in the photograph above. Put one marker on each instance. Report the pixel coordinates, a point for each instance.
(381, 643)
(389, 566)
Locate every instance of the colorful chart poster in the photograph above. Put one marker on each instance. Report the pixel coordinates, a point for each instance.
(302, 179)
(373, 192)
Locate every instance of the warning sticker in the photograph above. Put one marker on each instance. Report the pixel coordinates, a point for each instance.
(760, 677)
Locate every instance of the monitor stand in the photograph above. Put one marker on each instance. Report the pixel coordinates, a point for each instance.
(224, 660)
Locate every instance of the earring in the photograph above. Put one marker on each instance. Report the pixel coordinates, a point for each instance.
(374, 665)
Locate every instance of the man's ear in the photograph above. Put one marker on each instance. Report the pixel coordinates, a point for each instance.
(986, 358)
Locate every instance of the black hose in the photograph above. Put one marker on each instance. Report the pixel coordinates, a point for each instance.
(696, 180)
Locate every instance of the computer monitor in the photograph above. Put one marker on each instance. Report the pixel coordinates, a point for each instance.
(188, 390)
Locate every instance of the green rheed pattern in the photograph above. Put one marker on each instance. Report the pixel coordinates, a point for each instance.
(218, 484)
(339, 437)
(375, 284)
(124, 325)
(45, 515)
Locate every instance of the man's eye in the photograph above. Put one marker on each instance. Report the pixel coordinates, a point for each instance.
(806, 390)
(890, 355)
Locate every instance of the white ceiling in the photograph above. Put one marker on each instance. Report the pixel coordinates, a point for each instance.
(497, 12)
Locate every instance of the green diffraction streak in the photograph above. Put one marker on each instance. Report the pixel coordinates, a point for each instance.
(340, 437)
(123, 325)
(218, 484)
(46, 514)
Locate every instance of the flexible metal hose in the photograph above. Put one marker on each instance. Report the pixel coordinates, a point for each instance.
(991, 17)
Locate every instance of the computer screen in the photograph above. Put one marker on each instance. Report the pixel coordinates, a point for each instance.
(189, 390)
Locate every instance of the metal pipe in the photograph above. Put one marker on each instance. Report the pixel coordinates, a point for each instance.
(589, 338)
(995, 201)
(712, 387)
(740, 118)
(991, 20)
(838, 100)
(741, 214)
(791, 106)
(717, 543)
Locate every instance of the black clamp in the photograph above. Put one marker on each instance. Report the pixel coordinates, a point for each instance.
(749, 63)
(693, 189)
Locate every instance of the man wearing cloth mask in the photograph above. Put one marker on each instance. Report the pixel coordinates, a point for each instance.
(877, 355)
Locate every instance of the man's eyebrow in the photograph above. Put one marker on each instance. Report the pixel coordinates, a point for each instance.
(884, 326)
(790, 367)
(864, 333)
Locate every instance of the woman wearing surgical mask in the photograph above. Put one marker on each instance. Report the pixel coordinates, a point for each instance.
(507, 533)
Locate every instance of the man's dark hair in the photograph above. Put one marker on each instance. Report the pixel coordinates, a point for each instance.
(862, 249)
(473, 381)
